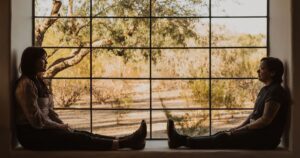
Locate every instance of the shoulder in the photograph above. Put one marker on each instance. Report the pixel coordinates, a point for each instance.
(25, 82)
(276, 88)
(277, 93)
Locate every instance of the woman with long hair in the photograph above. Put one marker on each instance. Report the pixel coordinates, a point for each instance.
(39, 126)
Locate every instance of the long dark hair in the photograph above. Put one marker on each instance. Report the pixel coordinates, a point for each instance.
(29, 58)
(274, 65)
(28, 68)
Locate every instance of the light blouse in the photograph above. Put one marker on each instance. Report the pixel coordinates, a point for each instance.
(33, 110)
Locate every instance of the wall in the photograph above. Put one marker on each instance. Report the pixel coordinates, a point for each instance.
(21, 30)
(281, 46)
(281, 43)
(4, 79)
(296, 78)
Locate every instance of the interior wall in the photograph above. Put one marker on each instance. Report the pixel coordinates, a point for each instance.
(281, 41)
(21, 35)
(4, 79)
(296, 78)
(281, 46)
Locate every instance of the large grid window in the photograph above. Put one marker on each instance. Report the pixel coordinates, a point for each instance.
(112, 63)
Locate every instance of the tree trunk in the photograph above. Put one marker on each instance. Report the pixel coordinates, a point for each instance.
(70, 8)
(41, 30)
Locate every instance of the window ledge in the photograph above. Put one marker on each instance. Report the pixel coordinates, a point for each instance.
(157, 149)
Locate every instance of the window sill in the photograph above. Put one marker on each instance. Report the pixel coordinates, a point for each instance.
(157, 149)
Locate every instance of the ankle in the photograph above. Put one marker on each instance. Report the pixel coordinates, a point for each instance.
(177, 140)
(133, 142)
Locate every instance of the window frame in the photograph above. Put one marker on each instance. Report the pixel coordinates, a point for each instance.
(150, 48)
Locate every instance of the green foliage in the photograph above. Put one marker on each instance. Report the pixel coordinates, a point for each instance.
(121, 8)
(192, 124)
(226, 94)
(200, 91)
(236, 62)
(179, 7)
(177, 32)
(251, 40)
(122, 104)
(189, 123)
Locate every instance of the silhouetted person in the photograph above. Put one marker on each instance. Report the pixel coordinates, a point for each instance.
(263, 127)
(39, 126)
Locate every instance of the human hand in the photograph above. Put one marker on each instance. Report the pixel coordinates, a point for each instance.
(228, 133)
(65, 127)
(70, 129)
(233, 130)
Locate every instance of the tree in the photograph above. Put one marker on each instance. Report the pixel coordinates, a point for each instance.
(123, 32)
(113, 32)
(120, 32)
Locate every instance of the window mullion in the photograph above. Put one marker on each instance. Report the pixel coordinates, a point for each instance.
(91, 66)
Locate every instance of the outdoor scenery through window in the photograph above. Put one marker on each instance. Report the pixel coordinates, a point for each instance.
(112, 63)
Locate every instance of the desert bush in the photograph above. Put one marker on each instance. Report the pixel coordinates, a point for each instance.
(191, 124)
(103, 93)
(68, 92)
(200, 91)
(116, 94)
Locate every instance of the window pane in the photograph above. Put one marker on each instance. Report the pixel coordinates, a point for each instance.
(121, 63)
(180, 8)
(70, 32)
(188, 122)
(121, 7)
(180, 94)
(71, 93)
(121, 32)
(175, 63)
(234, 93)
(236, 62)
(119, 122)
(121, 94)
(239, 8)
(239, 32)
(68, 62)
(77, 119)
(180, 32)
(227, 119)
(77, 8)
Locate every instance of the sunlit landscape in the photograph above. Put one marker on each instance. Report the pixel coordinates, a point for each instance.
(114, 63)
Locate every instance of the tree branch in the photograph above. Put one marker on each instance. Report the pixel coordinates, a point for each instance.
(41, 30)
(52, 53)
(76, 57)
(81, 27)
